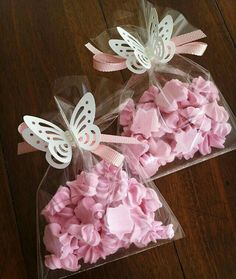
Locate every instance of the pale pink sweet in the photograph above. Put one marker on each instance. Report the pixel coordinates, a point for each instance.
(138, 149)
(216, 112)
(215, 137)
(58, 243)
(145, 122)
(84, 185)
(127, 113)
(149, 95)
(206, 88)
(110, 243)
(165, 103)
(221, 129)
(75, 192)
(98, 211)
(90, 254)
(187, 141)
(204, 146)
(195, 99)
(157, 231)
(89, 235)
(63, 218)
(150, 202)
(191, 113)
(216, 141)
(149, 164)
(172, 119)
(53, 262)
(126, 131)
(164, 232)
(161, 150)
(136, 193)
(146, 106)
(69, 263)
(173, 91)
(112, 184)
(59, 201)
(204, 124)
(119, 221)
(83, 210)
(142, 224)
(132, 159)
(196, 117)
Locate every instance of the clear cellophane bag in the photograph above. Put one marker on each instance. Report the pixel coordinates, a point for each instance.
(93, 212)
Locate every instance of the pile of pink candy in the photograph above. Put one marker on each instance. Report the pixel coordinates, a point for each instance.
(98, 213)
(176, 123)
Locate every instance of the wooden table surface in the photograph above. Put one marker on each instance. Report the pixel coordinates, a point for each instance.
(43, 40)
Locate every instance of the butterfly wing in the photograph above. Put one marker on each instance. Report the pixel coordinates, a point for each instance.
(134, 66)
(153, 27)
(121, 48)
(169, 51)
(165, 28)
(130, 48)
(163, 51)
(86, 134)
(47, 137)
(164, 48)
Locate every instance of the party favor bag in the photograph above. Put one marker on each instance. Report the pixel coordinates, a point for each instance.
(91, 209)
(170, 103)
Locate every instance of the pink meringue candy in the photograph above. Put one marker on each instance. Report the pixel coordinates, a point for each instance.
(174, 122)
(62, 247)
(98, 213)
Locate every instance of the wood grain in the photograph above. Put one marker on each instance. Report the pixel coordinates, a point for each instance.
(44, 40)
(227, 8)
(11, 260)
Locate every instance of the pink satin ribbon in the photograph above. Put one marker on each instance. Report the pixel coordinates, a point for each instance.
(105, 62)
(103, 151)
(185, 44)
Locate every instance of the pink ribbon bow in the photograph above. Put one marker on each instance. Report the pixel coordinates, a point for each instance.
(185, 44)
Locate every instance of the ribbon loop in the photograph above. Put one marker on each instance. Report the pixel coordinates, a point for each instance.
(188, 37)
(108, 62)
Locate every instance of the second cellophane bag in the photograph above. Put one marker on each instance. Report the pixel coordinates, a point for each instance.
(170, 103)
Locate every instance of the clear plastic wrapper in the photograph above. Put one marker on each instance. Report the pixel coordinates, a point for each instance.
(170, 103)
(93, 212)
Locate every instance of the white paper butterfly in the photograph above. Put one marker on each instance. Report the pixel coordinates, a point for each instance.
(159, 46)
(57, 144)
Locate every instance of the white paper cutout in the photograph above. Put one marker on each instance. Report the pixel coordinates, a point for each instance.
(57, 144)
(159, 47)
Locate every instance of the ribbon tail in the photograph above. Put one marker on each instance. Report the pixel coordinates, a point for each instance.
(119, 139)
(24, 147)
(187, 43)
(92, 48)
(195, 48)
(110, 155)
(105, 62)
(188, 37)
